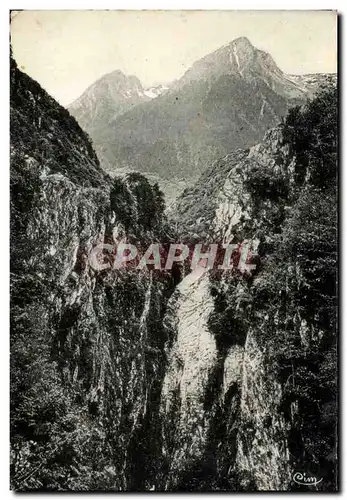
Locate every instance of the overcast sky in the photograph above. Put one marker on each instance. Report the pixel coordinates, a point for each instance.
(66, 51)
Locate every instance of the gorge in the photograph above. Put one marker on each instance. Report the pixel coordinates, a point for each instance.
(145, 380)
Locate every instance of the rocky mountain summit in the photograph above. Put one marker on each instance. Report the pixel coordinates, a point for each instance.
(107, 98)
(240, 57)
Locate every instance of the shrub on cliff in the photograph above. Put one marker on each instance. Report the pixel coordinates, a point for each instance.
(300, 279)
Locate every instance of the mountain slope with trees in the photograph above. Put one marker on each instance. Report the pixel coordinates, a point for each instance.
(278, 323)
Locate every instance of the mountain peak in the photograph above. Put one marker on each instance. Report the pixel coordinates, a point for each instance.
(241, 53)
(235, 57)
(118, 76)
(241, 41)
(115, 73)
(111, 95)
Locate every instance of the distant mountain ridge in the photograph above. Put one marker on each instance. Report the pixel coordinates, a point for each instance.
(226, 100)
(110, 96)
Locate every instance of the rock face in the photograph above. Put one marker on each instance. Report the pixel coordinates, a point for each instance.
(220, 399)
(87, 346)
(192, 359)
(223, 428)
(250, 408)
(125, 379)
(225, 203)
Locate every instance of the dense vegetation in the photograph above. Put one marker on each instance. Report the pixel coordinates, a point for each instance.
(302, 286)
(86, 347)
(294, 213)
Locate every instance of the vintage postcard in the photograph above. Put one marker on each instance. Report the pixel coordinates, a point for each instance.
(174, 251)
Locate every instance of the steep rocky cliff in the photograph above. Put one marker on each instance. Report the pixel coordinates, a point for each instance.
(249, 396)
(86, 346)
(126, 379)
